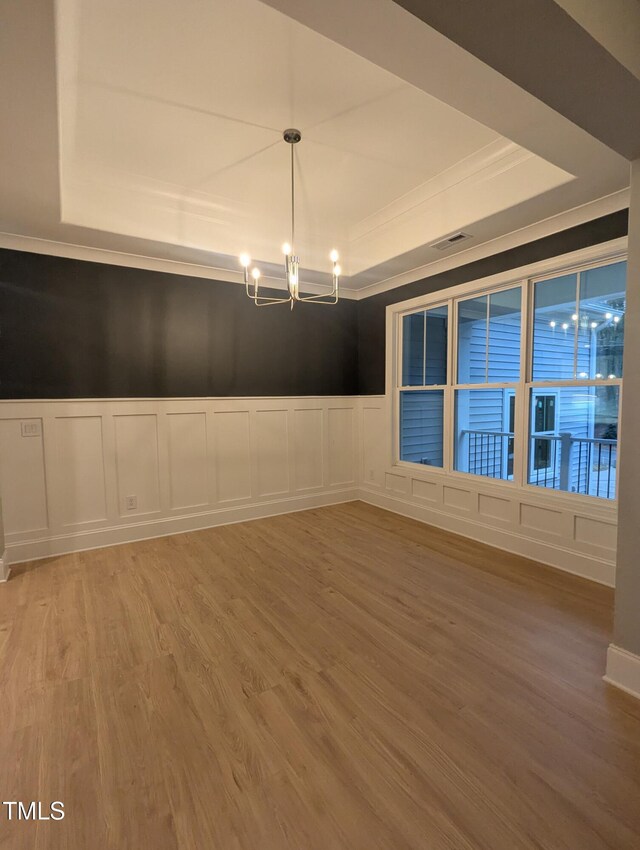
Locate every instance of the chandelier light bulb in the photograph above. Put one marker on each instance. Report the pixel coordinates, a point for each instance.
(608, 315)
(599, 376)
(337, 270)
(286, 249)
(552, 324)
(611, 377)
(594, 325)
(565, 326)
(334, 256)
(255, 273)
(245, 260)
(616, 319)
(574, 318)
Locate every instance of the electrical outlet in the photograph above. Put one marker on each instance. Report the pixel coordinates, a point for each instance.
(131, 503)
(31, 428)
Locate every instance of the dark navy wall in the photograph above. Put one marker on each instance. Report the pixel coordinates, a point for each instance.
(75, 329)
(371, 311)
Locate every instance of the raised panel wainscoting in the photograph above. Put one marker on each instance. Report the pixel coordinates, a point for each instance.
(572, 533)
(81, 474)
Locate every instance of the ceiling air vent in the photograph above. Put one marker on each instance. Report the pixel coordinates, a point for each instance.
(450, 241)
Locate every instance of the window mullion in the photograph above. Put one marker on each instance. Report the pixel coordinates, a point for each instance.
(486, 344)
(424, 348)
(520, 430)
(576, 333)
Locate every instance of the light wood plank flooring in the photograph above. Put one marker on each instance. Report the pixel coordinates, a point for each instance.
(338, 678)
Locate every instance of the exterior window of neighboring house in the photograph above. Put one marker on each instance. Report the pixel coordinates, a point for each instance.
(522, 385)
(544, 414)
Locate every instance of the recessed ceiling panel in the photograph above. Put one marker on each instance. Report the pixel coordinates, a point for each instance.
(171, 118)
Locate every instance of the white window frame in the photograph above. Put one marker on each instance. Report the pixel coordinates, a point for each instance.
(526, 277)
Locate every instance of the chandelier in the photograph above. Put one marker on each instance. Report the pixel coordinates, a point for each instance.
(291, 260)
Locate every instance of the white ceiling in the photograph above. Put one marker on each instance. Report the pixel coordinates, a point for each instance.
(173, 132)
(169, 116)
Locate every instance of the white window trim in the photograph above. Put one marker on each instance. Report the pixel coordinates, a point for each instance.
(525, 276)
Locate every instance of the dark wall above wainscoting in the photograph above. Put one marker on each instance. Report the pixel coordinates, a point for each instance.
(372, 311)
(76, 329)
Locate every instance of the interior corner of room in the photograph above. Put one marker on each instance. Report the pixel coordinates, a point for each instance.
(318, 406)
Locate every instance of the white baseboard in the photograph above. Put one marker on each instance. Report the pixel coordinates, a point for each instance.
(79, 541)
(5, 569)
(577, 563)
(623, 670)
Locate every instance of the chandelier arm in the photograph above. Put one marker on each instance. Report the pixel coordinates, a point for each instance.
(263, 300)
(271, 302)
(332, 294)
(318, 299)
(255, 297)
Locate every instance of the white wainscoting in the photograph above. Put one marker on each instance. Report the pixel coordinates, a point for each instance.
(568, 532)
(68, 469)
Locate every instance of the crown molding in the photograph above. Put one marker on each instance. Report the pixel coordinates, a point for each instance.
(52, 248)
(547, 227)
(563, 221)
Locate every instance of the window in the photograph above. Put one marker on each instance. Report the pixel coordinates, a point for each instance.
(489, 333)
(549, 421)
(489, 330)
(574, 439)
(421, 427)
(483, 447)
(424, 367)
(424, 351)
(579, 325)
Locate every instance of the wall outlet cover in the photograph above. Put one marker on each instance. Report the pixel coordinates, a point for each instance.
(31, 428)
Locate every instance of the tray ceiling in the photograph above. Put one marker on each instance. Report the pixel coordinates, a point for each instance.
(171, 118)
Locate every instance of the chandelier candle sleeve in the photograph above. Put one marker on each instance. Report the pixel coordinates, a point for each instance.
(291, 260)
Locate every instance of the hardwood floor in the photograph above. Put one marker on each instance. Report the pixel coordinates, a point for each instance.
(338, 678)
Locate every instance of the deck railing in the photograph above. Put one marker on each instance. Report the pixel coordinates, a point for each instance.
(573, 464)
(578, 465)
(486, 452)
